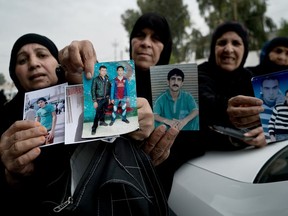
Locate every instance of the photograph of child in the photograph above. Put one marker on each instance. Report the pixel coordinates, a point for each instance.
(43, 105)
(110, 100)
(175, 96)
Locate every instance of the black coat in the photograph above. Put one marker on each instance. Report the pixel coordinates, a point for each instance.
(52, 164)
(216, 87)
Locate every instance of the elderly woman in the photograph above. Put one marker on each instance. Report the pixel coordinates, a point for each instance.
(30, 175)
(33, 65)
(221, 78)
(244, 110)
(150, 45)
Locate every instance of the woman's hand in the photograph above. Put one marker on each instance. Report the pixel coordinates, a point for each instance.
(146, 120)
(19, 147)
(158, 141)
(244, 111)
(259, 140)
(77, 57)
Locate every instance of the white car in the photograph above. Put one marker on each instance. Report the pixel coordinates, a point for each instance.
(248, 182)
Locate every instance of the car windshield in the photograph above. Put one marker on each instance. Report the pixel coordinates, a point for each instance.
(276, 169)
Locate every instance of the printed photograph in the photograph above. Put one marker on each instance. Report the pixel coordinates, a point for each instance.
(272, 89)
(47, 106)
(110, 107)
(175, 96)
(74, 116)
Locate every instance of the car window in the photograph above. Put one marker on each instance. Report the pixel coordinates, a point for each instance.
(276, 169)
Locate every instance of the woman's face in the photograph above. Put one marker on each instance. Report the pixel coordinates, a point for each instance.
(279, 55)
(146, 49)
(229, 51)
(35, 67)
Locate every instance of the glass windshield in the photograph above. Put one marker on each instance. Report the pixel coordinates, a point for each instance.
(276, 169)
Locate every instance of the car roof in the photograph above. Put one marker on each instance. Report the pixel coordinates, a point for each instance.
(241, 165)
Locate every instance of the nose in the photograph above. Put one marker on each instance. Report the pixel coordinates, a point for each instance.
(228, 47)
(147, 41)
(283, 56)
(33, 62)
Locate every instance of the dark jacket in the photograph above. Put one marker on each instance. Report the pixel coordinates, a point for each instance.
(187, 144)
(28, 199)
(100, 88)
(216, 87)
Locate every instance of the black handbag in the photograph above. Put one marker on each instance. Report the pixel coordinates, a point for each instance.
(119, 180)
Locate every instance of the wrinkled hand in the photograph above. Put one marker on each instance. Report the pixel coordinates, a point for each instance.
(77, 57)
(145, 118)
(259, 140)
(159, 143)
(174, 123)
(244, 111)
(19, 147)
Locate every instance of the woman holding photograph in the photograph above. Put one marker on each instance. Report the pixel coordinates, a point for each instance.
(223, 77)
(26, 170)
(33, 65)
(150, 45)
(244, 110)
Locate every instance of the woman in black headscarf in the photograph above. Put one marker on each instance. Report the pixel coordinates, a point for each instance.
(24, 176)
(150, 45)
(34, 180)
(273, 57)
(50, 77)
(222, 78)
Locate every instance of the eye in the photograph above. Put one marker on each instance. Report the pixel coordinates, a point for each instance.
(42, 54)
(221, 42)
(236, 43)
(278, 50)
(156, 37)
(22, 60)
(140, 35)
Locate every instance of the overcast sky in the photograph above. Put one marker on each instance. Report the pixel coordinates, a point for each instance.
(96, 20)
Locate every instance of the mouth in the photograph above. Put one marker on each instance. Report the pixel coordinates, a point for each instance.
(228, 59)
(36, 76)
(144, 54)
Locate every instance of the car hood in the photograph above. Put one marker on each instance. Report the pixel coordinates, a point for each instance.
(241, 165)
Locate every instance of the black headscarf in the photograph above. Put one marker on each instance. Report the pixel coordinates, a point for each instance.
(217, 86)
(28, 39)
(15, 106)
(160, 26)
(229, 26)
(46, 170)
(266, 65)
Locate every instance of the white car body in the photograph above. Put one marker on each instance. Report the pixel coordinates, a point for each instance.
(227, 183)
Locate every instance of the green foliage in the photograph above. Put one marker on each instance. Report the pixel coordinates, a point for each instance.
(2, 79)
(186, 40)
(283, 30)
(251, 13)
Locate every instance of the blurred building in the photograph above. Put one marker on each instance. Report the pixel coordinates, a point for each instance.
(9, 90)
